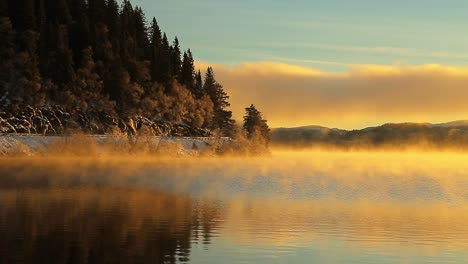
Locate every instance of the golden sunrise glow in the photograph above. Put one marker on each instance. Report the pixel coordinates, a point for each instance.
(366, 95)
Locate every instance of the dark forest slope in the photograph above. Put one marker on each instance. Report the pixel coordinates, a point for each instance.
(99, 67)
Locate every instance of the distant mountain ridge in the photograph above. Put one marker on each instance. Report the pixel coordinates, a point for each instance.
(456, 123)
(452, 134)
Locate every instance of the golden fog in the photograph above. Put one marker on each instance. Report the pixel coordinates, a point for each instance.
(285, 199)
(366, 95)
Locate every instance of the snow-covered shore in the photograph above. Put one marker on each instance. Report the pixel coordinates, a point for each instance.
(17, 144)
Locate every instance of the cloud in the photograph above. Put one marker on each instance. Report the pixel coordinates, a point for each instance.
(379, 50)
(270, 68)
(364, 95)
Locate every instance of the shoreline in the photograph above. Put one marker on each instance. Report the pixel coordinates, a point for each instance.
(34, 145)
(82, 144)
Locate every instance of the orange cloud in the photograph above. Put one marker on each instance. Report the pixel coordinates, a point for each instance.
(291, 95)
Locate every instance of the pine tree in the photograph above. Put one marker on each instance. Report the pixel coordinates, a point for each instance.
(80, 31)
(198, 86)
(128, 31)
(222, 118)
(187, 73)
(155, 33)
(61, 65)
(113, 25)
(43, 40)
(164, 61)
(141, 37)
(255, 126)
(156, 46)
(96, 15)
(175, 58)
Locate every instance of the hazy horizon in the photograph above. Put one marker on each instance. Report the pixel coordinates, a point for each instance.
(357, 128)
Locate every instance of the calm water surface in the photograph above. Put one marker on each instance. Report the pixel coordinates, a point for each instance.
(289, 208)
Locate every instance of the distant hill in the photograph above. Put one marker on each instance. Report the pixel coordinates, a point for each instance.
(452, 135)
(458, 123)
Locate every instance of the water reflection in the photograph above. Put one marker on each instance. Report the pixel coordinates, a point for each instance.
(330, 209)
(101, 226)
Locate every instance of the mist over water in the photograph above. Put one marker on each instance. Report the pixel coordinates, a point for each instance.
(296, 207)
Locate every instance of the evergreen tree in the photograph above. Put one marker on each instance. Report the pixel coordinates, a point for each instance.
(187, 73)
(113, 25)
(141, 37)
(175, 58)
(155, 32)
(96, 15)
(222, 119)
(43, 40)
(156, 46)
(164, 60)
(198, 86)
(61, 65)
(80, 31)
(127, 41)
(255, 126)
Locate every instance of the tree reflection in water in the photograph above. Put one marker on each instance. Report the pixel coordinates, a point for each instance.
(101, 226)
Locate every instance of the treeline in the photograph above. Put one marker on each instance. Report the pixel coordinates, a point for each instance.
(98, 56)
(389, 136)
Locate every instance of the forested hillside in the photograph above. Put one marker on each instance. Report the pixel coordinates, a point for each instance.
(98, 66)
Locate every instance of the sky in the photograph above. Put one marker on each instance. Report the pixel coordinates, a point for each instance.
(314, 62)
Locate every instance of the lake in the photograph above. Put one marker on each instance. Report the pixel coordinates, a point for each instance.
(292, 207)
